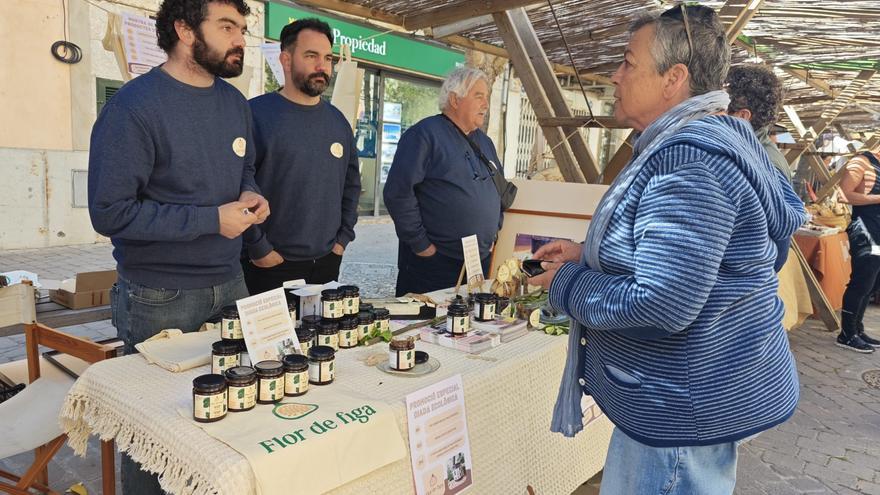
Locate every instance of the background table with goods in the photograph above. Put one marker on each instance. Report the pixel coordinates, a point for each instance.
(509, 392)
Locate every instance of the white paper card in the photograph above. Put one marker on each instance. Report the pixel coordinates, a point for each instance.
(472, 259)
(268, 330)
(438, 438)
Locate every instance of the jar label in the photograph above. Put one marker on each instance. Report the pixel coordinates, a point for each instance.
(402, 360)
(348, 338)
(355, 305)
(209, 406)
(231, 329)
(241, 398)
(223, 363)
(364, 330)
(271, 389)
(296, 383)
(305, 346)
(330, 340)
(321, 372)
(457, 325)
(332, 309)
(383, 324)
(488, 311)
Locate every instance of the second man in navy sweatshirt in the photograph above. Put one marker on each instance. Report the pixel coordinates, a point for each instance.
(307, 166)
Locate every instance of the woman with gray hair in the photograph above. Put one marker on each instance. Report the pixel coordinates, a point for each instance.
(677, 329)
(440, 187)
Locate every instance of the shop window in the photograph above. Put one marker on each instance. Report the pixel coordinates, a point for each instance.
(106, 88)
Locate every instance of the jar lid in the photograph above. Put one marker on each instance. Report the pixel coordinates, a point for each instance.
(484, 297)
(348, 322)
(305, 333)
(381, 313)
(240, 374)
(228, 311)
(349, 290)
(214, 319)
(209, 383)
(328, 326)
(366, 317)
(365, 306)
(402, 343)
(295, 362)
(321, 353)
(331, 294)
(225, 347)
(457, 309)
(270, 367)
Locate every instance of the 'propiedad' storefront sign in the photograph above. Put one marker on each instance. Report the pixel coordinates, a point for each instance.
(372, 45)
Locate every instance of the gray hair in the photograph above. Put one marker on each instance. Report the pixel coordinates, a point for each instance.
(460, 81)
(711, 58)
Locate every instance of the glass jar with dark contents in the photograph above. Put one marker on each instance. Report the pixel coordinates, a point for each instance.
(402, 353)
(296, 374)
(366, 321)
(328, 333)
(231, 325)
(321, 365)
(306, 337)
(209, 398)
(270, 381)
(224, 355)
(351, 299)
(383, 319)
(332, 304)
(457, 319)
(242, 391)
(484, 309)
(348, 332)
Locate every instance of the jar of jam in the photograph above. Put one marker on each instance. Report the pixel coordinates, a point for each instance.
(365, 306)
(332, 304)
(231, 328)
(270, 381)
(321, 361)
(296, 374)
(224, 355)
(306, 337)
(242, 391)
(366, 321)
(383, 319)
(328, 333)
(351, 299)
(457, 319)
(485, 306)
(209, 398)
(348, 332)
(402, 353)
(501, 306)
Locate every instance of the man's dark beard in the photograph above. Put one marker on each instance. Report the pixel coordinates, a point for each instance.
(208, 59)
(313, 85)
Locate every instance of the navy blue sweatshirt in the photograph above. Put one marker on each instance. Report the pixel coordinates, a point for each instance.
(164, 156)
(439, 191)
(307, 167)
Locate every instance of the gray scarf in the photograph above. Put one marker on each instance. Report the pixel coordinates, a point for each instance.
(567, 414)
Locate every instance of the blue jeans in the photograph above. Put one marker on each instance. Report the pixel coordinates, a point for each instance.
(139, 312)
(633, 468)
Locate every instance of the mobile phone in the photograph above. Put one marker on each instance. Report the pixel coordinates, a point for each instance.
(533, 268)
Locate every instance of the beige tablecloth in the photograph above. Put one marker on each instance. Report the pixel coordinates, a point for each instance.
(509, 403)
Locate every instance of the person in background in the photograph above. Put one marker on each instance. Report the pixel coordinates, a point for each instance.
(756, 95)
(440, 187)
(861, 189)
(171, 182)
(676, 327)
(307, 166)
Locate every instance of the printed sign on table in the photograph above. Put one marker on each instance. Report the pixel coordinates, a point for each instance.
(267, 327)
(438, 438)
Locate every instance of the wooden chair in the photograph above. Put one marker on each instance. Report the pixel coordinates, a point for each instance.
(29, 420)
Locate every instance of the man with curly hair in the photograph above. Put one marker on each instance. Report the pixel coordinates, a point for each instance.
(756, 95)
(171, 182)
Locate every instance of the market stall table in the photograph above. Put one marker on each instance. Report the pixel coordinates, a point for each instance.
(509, 394)
(829, 258)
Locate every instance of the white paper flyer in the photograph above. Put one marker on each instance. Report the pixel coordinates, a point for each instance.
(269, 333)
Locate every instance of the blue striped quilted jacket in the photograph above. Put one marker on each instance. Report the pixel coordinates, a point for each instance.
(683, 338)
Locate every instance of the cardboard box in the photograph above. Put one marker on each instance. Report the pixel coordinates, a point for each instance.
(87, 290)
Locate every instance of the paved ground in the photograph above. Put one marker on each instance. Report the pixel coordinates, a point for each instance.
(831, 445)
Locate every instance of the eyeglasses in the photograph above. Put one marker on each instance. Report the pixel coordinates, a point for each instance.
(673, 14)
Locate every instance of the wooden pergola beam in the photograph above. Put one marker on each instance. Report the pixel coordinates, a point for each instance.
(461, 11)
(597, 122)
(513, 33)
(831, 112)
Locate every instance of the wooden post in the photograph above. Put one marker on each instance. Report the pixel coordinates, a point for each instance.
(817, 296)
